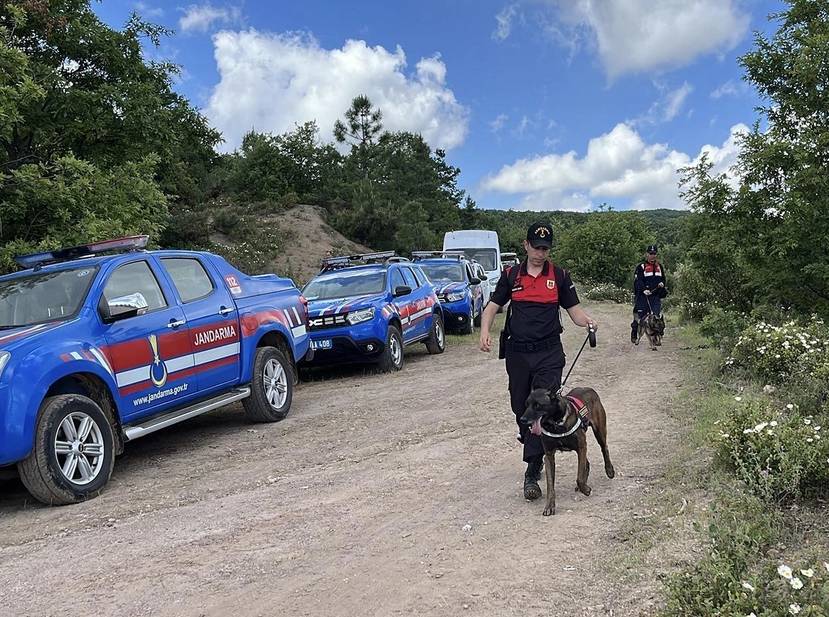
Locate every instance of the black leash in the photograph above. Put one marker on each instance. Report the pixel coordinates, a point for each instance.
(591, 338)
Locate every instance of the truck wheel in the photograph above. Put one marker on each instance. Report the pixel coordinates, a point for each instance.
(467, 327)
(392, 357)
(74, 451)
(272, 386)
(436, 342)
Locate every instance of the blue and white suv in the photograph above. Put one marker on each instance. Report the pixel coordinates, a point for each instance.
(458, 288)
(367, 308)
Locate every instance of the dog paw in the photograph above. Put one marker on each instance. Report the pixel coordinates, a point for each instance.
(611, 473)
(549, 511)
(586, 490)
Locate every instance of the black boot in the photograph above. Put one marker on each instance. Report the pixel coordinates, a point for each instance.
(634, 330)
(531, 477)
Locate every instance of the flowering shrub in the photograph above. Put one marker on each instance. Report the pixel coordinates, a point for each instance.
(778, 353)
(738, 577)
(778, 453)
(605, 291)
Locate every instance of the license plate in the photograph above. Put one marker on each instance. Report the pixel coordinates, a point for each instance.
(321, 344)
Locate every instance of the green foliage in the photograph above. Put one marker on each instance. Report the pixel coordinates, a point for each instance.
(604, 291)
(723, 327)
(776, 354)
(362, 124)
(767, 239)
(605, 248)
(739, 576)
(72, 202)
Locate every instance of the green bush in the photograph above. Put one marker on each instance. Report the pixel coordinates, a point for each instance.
(227, 221)
(723, 327)
(776, 354)
(592, 290)
(780, 454)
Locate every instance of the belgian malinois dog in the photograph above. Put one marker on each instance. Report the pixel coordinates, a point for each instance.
(557, 419)
(653, 327)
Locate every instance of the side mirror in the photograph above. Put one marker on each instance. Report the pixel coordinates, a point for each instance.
(474, 281)
(402, 290)
(123, 307)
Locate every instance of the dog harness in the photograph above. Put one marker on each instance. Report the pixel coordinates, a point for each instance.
(583, 414)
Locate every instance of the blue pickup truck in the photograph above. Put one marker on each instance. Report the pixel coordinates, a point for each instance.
(104, 343)
(368, 307)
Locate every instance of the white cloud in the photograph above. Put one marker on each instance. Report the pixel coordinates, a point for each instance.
(618, 165)
(641, 35)
(504, 22)
(270, 82)
(668, 106)
(201, 17)
(146, 10)
(498, 124)
(729, 88)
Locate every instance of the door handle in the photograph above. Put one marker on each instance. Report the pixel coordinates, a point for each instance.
(175, 323)
(225, 310)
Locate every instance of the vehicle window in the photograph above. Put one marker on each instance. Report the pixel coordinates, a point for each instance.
(443, 271)
(409, 277)
(397, 279)
(421, 278)
(189, 276)
(46, 296)
(135, 277)
(486, 257)
(345, 284)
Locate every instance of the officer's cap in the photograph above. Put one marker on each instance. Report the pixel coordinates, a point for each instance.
(540, 234)
(652, 249)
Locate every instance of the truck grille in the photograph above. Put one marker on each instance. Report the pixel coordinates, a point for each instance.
(328, 321)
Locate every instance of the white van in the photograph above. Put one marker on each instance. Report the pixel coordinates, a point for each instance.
(480, 245)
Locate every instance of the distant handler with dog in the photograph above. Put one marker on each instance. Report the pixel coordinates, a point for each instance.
(531, 340)
(649, 289)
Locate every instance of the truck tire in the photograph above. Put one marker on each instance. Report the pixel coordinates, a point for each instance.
(74, 451)
(436, 343)
(272, 386)
(470, 319)
(392, 356)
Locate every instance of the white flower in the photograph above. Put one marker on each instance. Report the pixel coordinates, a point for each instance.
(773, 423)
(794, 609)
(789, 406)
(751, 614)
(826, 565)
(808, 573)
(738, 398)
(784, 571)
(809, 440)
(748, 586)
(817, 428)
(807, 421)
(759, 428)
(796, 583)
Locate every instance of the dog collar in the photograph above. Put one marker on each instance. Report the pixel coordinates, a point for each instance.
(576, 427)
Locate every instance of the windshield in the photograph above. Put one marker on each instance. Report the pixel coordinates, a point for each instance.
(345, 284)
(443, 272)
(486, 257)
(42, 297)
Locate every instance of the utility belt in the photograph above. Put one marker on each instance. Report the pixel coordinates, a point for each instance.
(505, 344)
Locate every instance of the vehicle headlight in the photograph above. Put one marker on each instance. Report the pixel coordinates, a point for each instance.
(360, 316)
(455, 296)
(4, 359)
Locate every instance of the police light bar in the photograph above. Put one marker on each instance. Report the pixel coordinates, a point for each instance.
(418, 255)
(343, 261)
(119, 245)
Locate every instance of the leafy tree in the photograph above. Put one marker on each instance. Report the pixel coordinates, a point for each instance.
(606, 248)
(773, 225)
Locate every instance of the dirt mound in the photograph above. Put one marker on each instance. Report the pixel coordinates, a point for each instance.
(310, 239)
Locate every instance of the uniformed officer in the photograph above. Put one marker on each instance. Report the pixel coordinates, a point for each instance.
(532, 338)
(649, 289)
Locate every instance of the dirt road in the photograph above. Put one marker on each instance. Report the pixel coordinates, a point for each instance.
(379, 495)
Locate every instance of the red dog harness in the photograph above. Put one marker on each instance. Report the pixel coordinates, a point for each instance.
(583, 413)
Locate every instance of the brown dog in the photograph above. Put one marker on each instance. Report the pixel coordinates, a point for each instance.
(653, 327)
(556, 418)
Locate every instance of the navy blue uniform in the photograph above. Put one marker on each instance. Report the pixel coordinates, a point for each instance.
(534, 355)
(649, 276)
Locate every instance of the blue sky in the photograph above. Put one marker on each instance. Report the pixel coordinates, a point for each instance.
(543, 104)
